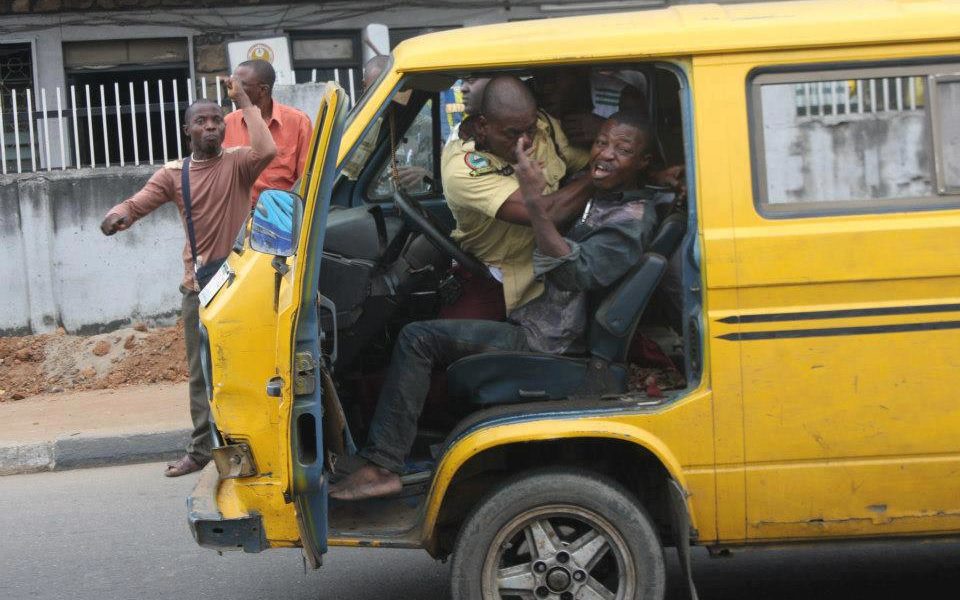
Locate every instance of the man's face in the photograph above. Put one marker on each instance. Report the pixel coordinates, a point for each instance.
(255, 90)
(618, 157)
(471, 89)
(205, 128)
(499, 135)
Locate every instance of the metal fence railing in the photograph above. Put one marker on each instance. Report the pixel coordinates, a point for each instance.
(860, 96)
(105, 125)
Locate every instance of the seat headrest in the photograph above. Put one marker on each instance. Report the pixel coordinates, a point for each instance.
(669, 234)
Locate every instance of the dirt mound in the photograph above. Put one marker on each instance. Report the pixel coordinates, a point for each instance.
(55, 362)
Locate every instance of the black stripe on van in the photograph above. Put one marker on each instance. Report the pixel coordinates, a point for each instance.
(836, 331)
(842, 314)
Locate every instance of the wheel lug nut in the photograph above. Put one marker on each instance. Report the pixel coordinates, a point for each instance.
(563, 557)
(542, 592)
(539, 566)
(566, 596)
(579, 576)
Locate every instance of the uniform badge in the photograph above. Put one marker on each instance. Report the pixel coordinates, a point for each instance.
(476, 161)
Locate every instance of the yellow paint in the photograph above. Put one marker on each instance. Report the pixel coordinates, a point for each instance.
(785, 439)
(251, 342)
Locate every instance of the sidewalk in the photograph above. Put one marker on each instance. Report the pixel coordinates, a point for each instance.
(81, 429)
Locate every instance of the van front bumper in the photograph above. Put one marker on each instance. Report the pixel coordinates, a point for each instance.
(209, 527)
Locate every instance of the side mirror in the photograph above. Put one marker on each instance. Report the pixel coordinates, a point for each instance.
(276, 223)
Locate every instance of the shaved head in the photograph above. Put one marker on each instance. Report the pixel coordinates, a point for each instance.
(508, 118)
(505, 95)
(373, 69)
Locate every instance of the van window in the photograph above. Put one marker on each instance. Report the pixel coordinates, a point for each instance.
(865, 140)
(412, 164)
(946, 132)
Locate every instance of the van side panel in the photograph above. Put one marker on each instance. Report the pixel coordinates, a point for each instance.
(849, 334)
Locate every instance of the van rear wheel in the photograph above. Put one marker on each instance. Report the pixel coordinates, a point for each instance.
(558, 534)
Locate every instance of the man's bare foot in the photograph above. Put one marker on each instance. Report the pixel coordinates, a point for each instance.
(369, 481)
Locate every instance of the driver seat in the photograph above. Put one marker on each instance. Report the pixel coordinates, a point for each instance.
(496, 378)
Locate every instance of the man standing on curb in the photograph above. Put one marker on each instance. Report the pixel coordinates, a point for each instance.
(290, 128)
(219, 185)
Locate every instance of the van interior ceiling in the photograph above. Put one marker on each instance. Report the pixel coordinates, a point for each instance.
(381, 272)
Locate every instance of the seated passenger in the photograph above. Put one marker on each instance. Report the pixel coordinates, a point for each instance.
(483, 192)
(412, 169)
(372, 71)
(605, 242)
(471, 92)
(582, 98)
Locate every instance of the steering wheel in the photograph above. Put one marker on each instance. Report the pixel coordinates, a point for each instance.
(427, 224)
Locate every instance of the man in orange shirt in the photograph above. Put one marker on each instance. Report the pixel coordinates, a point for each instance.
(290, 128)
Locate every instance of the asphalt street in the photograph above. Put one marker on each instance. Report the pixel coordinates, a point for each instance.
(121, 533)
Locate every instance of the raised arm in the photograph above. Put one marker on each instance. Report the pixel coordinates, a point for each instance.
(261, 142)
(537, 207)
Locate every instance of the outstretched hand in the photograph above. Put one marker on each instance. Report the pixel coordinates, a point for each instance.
(114, 223)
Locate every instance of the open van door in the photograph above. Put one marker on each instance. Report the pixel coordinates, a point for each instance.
(306, 481)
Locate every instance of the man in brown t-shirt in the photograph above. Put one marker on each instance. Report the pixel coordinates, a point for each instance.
(220, 182)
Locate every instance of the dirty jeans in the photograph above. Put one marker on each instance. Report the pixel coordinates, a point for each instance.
(422, 347)
(199, 445)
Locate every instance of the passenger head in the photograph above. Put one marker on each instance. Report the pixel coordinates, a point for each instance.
(508, 113)
(621, 152)
(471, 88)
(372, 70)
(257, 78)
(634, 100)
(563, 90)
(203, 124)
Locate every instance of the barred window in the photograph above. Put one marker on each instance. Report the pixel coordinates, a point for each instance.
(856, 140)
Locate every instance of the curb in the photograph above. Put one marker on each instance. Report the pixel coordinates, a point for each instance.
(79, 452)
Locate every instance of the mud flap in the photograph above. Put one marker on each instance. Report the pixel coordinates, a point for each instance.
(680, 520)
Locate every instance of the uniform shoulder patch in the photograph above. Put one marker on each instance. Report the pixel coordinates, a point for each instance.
(476, 161)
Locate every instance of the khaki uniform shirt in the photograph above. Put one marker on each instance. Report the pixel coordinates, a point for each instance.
(476, 184)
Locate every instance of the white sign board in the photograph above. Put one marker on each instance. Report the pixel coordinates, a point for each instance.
(275, 51)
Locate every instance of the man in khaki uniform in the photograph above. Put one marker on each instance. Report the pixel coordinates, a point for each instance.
(483, 191)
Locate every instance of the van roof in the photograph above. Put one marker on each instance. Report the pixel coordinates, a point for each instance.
(684, 30)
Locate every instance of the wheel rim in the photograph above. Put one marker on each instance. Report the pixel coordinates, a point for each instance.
(558, 552)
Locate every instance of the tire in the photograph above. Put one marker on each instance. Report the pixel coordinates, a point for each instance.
(586, 530)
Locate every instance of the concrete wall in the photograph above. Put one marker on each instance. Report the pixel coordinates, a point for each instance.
(883, 155)
(305, 96)
(58, 269)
